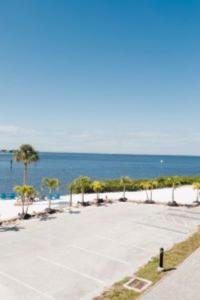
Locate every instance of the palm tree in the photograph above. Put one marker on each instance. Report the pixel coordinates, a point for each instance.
(196, 186)
(52, 184)
(97, 187)
(124, 182)
(81, 184)
(153, 185)
(26, 154)
(70, 187)
(174, 182)
(146, 185)
(25, 192)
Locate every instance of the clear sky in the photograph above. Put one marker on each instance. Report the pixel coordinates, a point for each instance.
(112, 76)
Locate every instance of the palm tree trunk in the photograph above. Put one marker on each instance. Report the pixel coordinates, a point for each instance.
(147, 195)
(70, 201)
(25, 179)
(197, 199)
(151, 198)
(22, 206)
(49, 202)
(82, 191)
(173, 189)
(27, 206)
(124, 191)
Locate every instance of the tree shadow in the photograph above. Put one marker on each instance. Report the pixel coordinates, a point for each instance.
(59, 202)
(47, 218)
(13, 228)
(74, 212)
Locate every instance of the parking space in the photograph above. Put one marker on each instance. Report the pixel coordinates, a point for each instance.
(77, 256)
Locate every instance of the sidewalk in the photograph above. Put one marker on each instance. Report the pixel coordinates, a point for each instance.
(181, 284)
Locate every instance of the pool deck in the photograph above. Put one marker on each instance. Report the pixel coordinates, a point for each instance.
(76, 256)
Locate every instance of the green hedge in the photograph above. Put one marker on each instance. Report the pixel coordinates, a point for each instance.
(114, 185)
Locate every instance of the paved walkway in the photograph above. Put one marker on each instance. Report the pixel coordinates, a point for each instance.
(181, 284)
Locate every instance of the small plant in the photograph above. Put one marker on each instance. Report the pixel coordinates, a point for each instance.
(71, 188)
(52, 184)
(146, 186)
(153, 185)
(196, 186)
(26, 192)
(173, 182)
(81, 184)
(124, 182)
(97, 187)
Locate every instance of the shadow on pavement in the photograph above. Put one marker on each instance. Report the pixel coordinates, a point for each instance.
(75, 212)
(169, 269)
(47, 218)
(14, 228)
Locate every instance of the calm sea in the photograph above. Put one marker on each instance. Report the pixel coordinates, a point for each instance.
(67, 166)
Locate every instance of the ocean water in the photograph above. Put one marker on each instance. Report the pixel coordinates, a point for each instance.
(67, 166)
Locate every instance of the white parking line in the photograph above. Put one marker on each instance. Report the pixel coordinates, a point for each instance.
(126, 225)
(102, 255)
(123, 245)
(163, 228)
(168, 219)
(26, 285)
(72, 270)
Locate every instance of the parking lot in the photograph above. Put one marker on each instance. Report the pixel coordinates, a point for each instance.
(78, 255)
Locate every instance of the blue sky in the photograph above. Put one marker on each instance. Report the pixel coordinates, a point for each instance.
(107, 76)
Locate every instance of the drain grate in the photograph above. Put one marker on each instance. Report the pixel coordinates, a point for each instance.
(137, 284)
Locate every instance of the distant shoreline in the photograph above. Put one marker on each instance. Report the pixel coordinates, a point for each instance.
(104, 153)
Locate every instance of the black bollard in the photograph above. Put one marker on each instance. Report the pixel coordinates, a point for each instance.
(161, 260)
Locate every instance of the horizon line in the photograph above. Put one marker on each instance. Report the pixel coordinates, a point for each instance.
(114, 153)
(105, 153)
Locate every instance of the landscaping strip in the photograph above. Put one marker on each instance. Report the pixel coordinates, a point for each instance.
(173, 257)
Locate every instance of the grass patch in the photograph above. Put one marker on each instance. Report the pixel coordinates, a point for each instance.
(173, 257)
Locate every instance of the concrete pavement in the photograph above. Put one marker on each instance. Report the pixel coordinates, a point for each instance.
(76, 256)
(181, 284)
